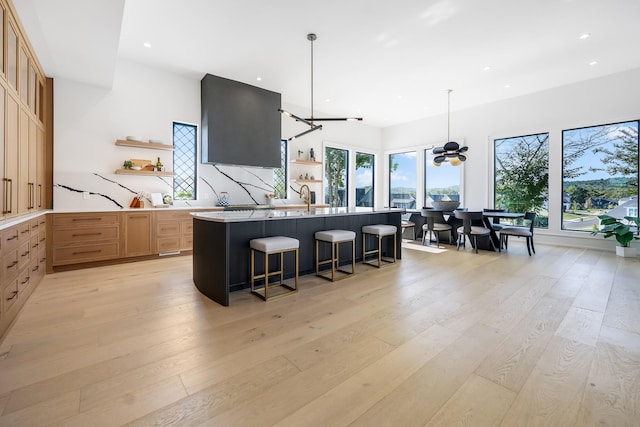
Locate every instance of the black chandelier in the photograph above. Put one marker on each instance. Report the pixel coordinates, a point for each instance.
(451, 152)
(310, 121)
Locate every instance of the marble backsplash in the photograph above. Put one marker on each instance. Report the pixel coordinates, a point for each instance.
(101, 191)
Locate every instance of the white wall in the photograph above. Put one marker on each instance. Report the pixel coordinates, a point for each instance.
(604, 100)
(145, 102)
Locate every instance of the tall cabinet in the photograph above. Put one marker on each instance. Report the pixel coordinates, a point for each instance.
(25, 167)
(22, 126)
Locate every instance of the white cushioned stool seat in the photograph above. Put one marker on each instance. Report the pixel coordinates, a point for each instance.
(275, 245)
(379, 231)
(335, 237)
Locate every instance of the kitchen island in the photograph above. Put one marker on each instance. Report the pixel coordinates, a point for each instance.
(221, 254)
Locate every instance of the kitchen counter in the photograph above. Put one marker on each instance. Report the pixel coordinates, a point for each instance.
(277, 214)
(221, 254)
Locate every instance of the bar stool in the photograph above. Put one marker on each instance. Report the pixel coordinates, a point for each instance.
(273, 246)
(379, 231)
(335, 237)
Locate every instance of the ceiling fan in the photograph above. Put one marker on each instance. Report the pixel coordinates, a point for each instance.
(310, 121)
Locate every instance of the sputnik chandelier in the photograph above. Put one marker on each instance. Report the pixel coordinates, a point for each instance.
(310, 121)
(451, 151)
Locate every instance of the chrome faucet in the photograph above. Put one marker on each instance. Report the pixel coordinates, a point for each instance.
(307, 197)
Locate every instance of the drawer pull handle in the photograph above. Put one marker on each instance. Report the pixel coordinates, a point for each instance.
(42, 260)
(34, 226)
(13, 264)
(87, 219)
(35, 245)
(24, 231)
(13, 295)
(12, 237)
(87, 252)
(26, 280)
(86, 234)
(36, 268)
(25, 254)
(43, 239)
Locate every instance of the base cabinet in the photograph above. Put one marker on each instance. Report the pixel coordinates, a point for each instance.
(23, 257)
(85, 237)
(137, 234)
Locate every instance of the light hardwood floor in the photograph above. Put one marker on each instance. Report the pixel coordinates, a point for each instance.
(439, 339)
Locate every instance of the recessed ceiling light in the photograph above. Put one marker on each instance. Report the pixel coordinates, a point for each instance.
(585, 36)
(486, 68)
(592, 63)
(259, 78)
(327, 100)
(147, 44)
(507, 86)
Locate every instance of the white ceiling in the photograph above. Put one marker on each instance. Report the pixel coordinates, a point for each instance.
(388, 61)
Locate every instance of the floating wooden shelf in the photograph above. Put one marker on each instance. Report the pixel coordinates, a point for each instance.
(147, 145)
(307, 180)
(143, 172)
(306, 162)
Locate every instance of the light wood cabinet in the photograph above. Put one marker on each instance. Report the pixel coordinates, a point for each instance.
(86, 237)
(21, 249)
(137, 234)
(174, 231)
(10, 179)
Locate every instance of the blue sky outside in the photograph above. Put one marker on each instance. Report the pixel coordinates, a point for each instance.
(405, 174)
(590, 159)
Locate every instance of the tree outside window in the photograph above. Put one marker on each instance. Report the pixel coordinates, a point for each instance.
(522, 175)
(335, 176)
(600, 174)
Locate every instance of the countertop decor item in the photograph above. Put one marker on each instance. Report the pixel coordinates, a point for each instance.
(223, 198)
(446, 205)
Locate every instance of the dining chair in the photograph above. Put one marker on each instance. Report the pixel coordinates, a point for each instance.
(434, 225)
(472, 231)
(526, 232)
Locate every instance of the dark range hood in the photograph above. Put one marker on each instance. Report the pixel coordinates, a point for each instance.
(241, 124)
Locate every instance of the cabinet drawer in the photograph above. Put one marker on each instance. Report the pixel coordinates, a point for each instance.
(23, 255)
(82, 234)
(168, 228)
(85, 253)
(187, 243)
(24, 231)
(10, 265)
(9, 295)
(186, 227)
(34, 244)
(10, 239)
(168, 244)
(173, 215)
(23, 280)
(35, 226)
(89, 220)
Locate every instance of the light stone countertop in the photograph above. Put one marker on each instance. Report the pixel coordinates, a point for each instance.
(276, 214)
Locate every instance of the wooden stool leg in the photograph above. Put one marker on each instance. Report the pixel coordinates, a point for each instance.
(266, 276)
(379, 251)
(253, 269)
(353, 256)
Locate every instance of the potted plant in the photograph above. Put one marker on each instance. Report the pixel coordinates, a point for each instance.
(614, 227)
(127, 164)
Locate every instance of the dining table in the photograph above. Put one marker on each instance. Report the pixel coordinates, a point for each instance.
(489, 216)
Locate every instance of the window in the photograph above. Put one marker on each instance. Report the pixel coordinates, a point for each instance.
(280, 174)
(335, 176)
(440, 182)
(599, 173)
(402, 180)
(364, 179)
(521, 175)
(184, 161)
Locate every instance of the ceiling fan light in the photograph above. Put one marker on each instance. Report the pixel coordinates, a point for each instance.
(455, 161)
(436, 163)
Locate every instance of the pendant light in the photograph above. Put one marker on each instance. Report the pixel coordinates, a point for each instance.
(310, 121)
(451, 151)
